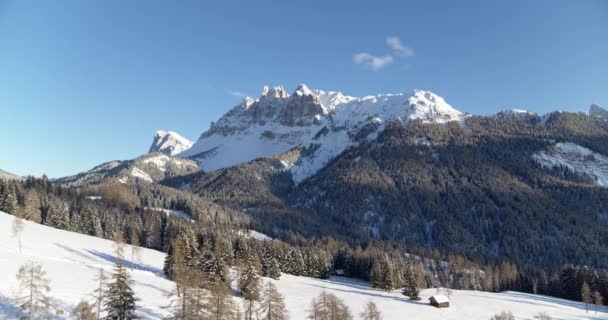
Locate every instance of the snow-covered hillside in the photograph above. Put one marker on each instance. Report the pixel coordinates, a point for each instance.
(576, 158)
(7, 175)
(71, 261)
(325, 123)
(151, 167)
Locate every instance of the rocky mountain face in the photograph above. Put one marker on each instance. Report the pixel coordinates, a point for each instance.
(149, 168)
(322, 124)
(169, 143)
(597, 111)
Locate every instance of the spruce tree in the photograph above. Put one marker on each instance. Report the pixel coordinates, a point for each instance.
(274, 271)
(120, 298)
(9, 203)
(58, 215)
(411, 286)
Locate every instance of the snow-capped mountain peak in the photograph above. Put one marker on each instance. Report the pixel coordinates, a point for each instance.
(277, 92)
(597, 111)
(169, 143)
(326, 122)
(302, 90)
(427, 106)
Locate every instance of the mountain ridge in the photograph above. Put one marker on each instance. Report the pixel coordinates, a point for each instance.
(324, 123)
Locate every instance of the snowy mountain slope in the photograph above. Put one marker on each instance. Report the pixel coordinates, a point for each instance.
(7, 175)
(321, 123)
(576, 158)
(71, 261)
(152, 167)
(169, 143)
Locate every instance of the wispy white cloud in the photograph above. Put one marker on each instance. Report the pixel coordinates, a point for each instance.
(374, 63)
(237, 94)
(395, 44)
(378, 62)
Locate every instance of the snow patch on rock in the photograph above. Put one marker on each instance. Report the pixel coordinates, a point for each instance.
(140, 174)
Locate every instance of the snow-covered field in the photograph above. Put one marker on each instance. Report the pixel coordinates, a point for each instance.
(71, 261)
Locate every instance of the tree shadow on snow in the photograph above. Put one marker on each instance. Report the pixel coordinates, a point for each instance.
(358, 287)
(127, 263)
(8, 310)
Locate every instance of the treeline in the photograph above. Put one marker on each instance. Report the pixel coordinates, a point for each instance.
(103, 211)
(215, 241)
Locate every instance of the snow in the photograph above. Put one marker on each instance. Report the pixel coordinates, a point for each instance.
(177, 213)
(470, 305)
(71, 261)
(140, 174)
(576, 158)
(244, 134)
(161, 160)
(259, 236)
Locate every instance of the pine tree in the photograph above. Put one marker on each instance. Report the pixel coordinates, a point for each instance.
(99, 292)
(586, 295)
(120, 299)
(249, 284)
(34, 285)
(371, 312)
(17, 229)
(32, 206)
(272, 305)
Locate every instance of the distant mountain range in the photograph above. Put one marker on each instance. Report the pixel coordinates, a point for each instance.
(403, 167)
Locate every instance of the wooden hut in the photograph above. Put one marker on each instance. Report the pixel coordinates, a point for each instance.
(440, 301)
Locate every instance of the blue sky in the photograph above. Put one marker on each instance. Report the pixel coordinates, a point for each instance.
(84, 82)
